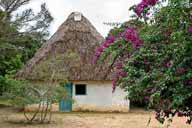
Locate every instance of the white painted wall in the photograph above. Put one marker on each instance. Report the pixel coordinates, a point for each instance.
(100, 97)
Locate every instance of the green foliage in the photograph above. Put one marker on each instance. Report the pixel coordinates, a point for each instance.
(22, 93)
(15, 92)
(3, 84)
(21, 34)
(159, 72)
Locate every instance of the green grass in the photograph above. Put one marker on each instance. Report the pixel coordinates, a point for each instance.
(4, 102)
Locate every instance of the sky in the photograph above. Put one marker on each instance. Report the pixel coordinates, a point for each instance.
(97, 12)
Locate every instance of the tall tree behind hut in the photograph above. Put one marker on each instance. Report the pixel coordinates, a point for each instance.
(21, 34)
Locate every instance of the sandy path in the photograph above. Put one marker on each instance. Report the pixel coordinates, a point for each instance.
(135, 119)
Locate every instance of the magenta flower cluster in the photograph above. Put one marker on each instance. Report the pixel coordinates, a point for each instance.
(110, 39)
(168, 63)
(147, 97)
(119, 72)
(129, 34)
(190, 29)
(144, 3)
(132, 36)
(119, 68)
(180, 70)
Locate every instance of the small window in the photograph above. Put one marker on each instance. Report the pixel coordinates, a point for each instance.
(80, 89)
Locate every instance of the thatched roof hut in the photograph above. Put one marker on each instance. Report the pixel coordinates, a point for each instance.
(69, 53)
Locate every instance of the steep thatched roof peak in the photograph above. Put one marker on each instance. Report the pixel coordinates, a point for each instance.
(68, 53)
(82, 25)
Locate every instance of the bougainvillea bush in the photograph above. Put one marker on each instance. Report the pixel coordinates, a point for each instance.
(152, 56)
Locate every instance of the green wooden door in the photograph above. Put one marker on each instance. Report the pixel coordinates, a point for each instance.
(66, 103)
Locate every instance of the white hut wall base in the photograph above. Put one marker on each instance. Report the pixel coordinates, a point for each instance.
(99, 97)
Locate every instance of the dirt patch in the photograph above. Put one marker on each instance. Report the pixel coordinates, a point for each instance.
(136, 118)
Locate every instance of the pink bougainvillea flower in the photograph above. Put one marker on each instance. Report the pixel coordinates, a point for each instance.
(120, 35)
(137, 43)
(97, 54)
(148, 13)
(119, 67)
(180, 70)
(144, 3)
(169, 64)
(131, 34)
(188, 82)
(151, 2)
(145, 61)
(118, 61)
(190, 29)
(100, 49)
(152, 90)
(127, 36)
(139, 9)
(111, 38)
(105, 44)
(147, 97)
(122, 74)
(128, 31)
(149, 72)
(133, 37)
(126, 54)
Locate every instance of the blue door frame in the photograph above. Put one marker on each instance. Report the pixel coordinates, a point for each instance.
(65, 104)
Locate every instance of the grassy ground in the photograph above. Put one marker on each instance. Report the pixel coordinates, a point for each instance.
(134, 119)
(3, 102)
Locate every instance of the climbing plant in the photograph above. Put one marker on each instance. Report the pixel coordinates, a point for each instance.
(151, 56)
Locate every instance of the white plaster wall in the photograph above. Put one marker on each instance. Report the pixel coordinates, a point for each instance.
(118, 97)
(100, 97)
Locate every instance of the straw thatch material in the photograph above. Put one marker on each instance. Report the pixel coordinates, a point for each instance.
(68, 53)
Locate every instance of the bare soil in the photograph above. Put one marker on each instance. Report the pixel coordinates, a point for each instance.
(136, 118)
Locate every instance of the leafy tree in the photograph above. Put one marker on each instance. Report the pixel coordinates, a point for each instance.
(43, 94)
(152, 56)
(21, 34)
(27, 20)
(22, 94)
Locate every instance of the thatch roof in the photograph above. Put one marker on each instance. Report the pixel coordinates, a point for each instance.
(68, 53)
